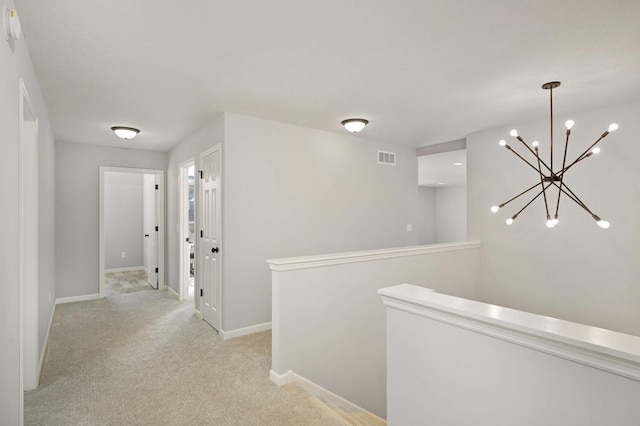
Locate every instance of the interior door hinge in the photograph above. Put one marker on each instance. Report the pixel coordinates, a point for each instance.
(156, 270)
(156, 186)
(201, 233)
(156, 229)
(201, 175)
(201, 293)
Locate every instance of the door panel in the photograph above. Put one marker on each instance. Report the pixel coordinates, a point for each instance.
(150, 233)
(210, 241)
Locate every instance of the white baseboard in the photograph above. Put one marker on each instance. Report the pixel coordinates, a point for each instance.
(246, 330)
(281, 379)
(131, 268)
(46, 340)
(174, 292)
(317, 390)
(82, 298)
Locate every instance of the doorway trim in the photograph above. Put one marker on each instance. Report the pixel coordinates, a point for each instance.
(183, 212)
(160, 207)
(29, 369)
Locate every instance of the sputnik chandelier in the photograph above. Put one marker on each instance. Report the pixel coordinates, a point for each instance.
(546, 175)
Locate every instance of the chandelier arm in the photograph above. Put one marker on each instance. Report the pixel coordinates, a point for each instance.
(544, 192)
(584, 206)
(519, 195)
(585, 154)
(574, 198)
(531, 151)
(579, 202)
(532, 200)
(521, 157)
(561, 172)
(564, 162)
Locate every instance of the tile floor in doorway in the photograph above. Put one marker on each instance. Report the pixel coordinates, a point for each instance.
(125, 282)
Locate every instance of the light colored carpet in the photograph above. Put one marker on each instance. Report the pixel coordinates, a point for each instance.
(143, 358)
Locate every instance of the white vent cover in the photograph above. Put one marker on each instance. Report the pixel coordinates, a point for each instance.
(387, 158)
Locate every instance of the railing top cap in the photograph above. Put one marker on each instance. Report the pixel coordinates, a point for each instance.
(290, 263)
(604, 341)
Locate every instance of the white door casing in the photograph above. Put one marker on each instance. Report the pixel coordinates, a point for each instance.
(28, 181)
(210, 241)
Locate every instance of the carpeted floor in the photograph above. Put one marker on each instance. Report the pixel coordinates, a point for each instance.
(143, 358)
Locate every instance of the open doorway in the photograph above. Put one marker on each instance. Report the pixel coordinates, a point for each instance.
(187, 229)
(131, 230)
(442, 181)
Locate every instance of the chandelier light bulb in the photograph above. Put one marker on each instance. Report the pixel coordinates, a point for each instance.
(603, 224)
(514, 133)
(613, 127)
(494, 209)
(502, 142)
(551, 223)
(509, 221)
(569, 124)
(535, 144)
(596, 150)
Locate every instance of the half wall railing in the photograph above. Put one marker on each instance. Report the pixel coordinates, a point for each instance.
(328, 322)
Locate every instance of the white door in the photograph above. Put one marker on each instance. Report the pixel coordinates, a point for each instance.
(150, 227)
(209, 267)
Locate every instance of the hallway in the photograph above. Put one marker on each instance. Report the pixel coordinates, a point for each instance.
(144, 358)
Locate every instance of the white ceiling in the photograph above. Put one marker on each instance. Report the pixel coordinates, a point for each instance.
(421, 71)
(439, 170)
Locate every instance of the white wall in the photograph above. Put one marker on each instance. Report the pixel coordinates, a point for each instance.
(292, 191)
(575, 271)
(77, 204)
(451, 214)
(123, 210)
(16, 63)
(426, 225)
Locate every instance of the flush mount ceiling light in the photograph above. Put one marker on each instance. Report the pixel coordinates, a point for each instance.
(125, 132)
(354, 125)
(549, 177)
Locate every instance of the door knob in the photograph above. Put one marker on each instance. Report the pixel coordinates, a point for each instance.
(214, 250)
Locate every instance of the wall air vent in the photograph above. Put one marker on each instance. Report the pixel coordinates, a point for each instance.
(387, 158)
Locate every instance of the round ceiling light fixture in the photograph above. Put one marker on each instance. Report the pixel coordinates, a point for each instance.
(125, 132)
(354, 125)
